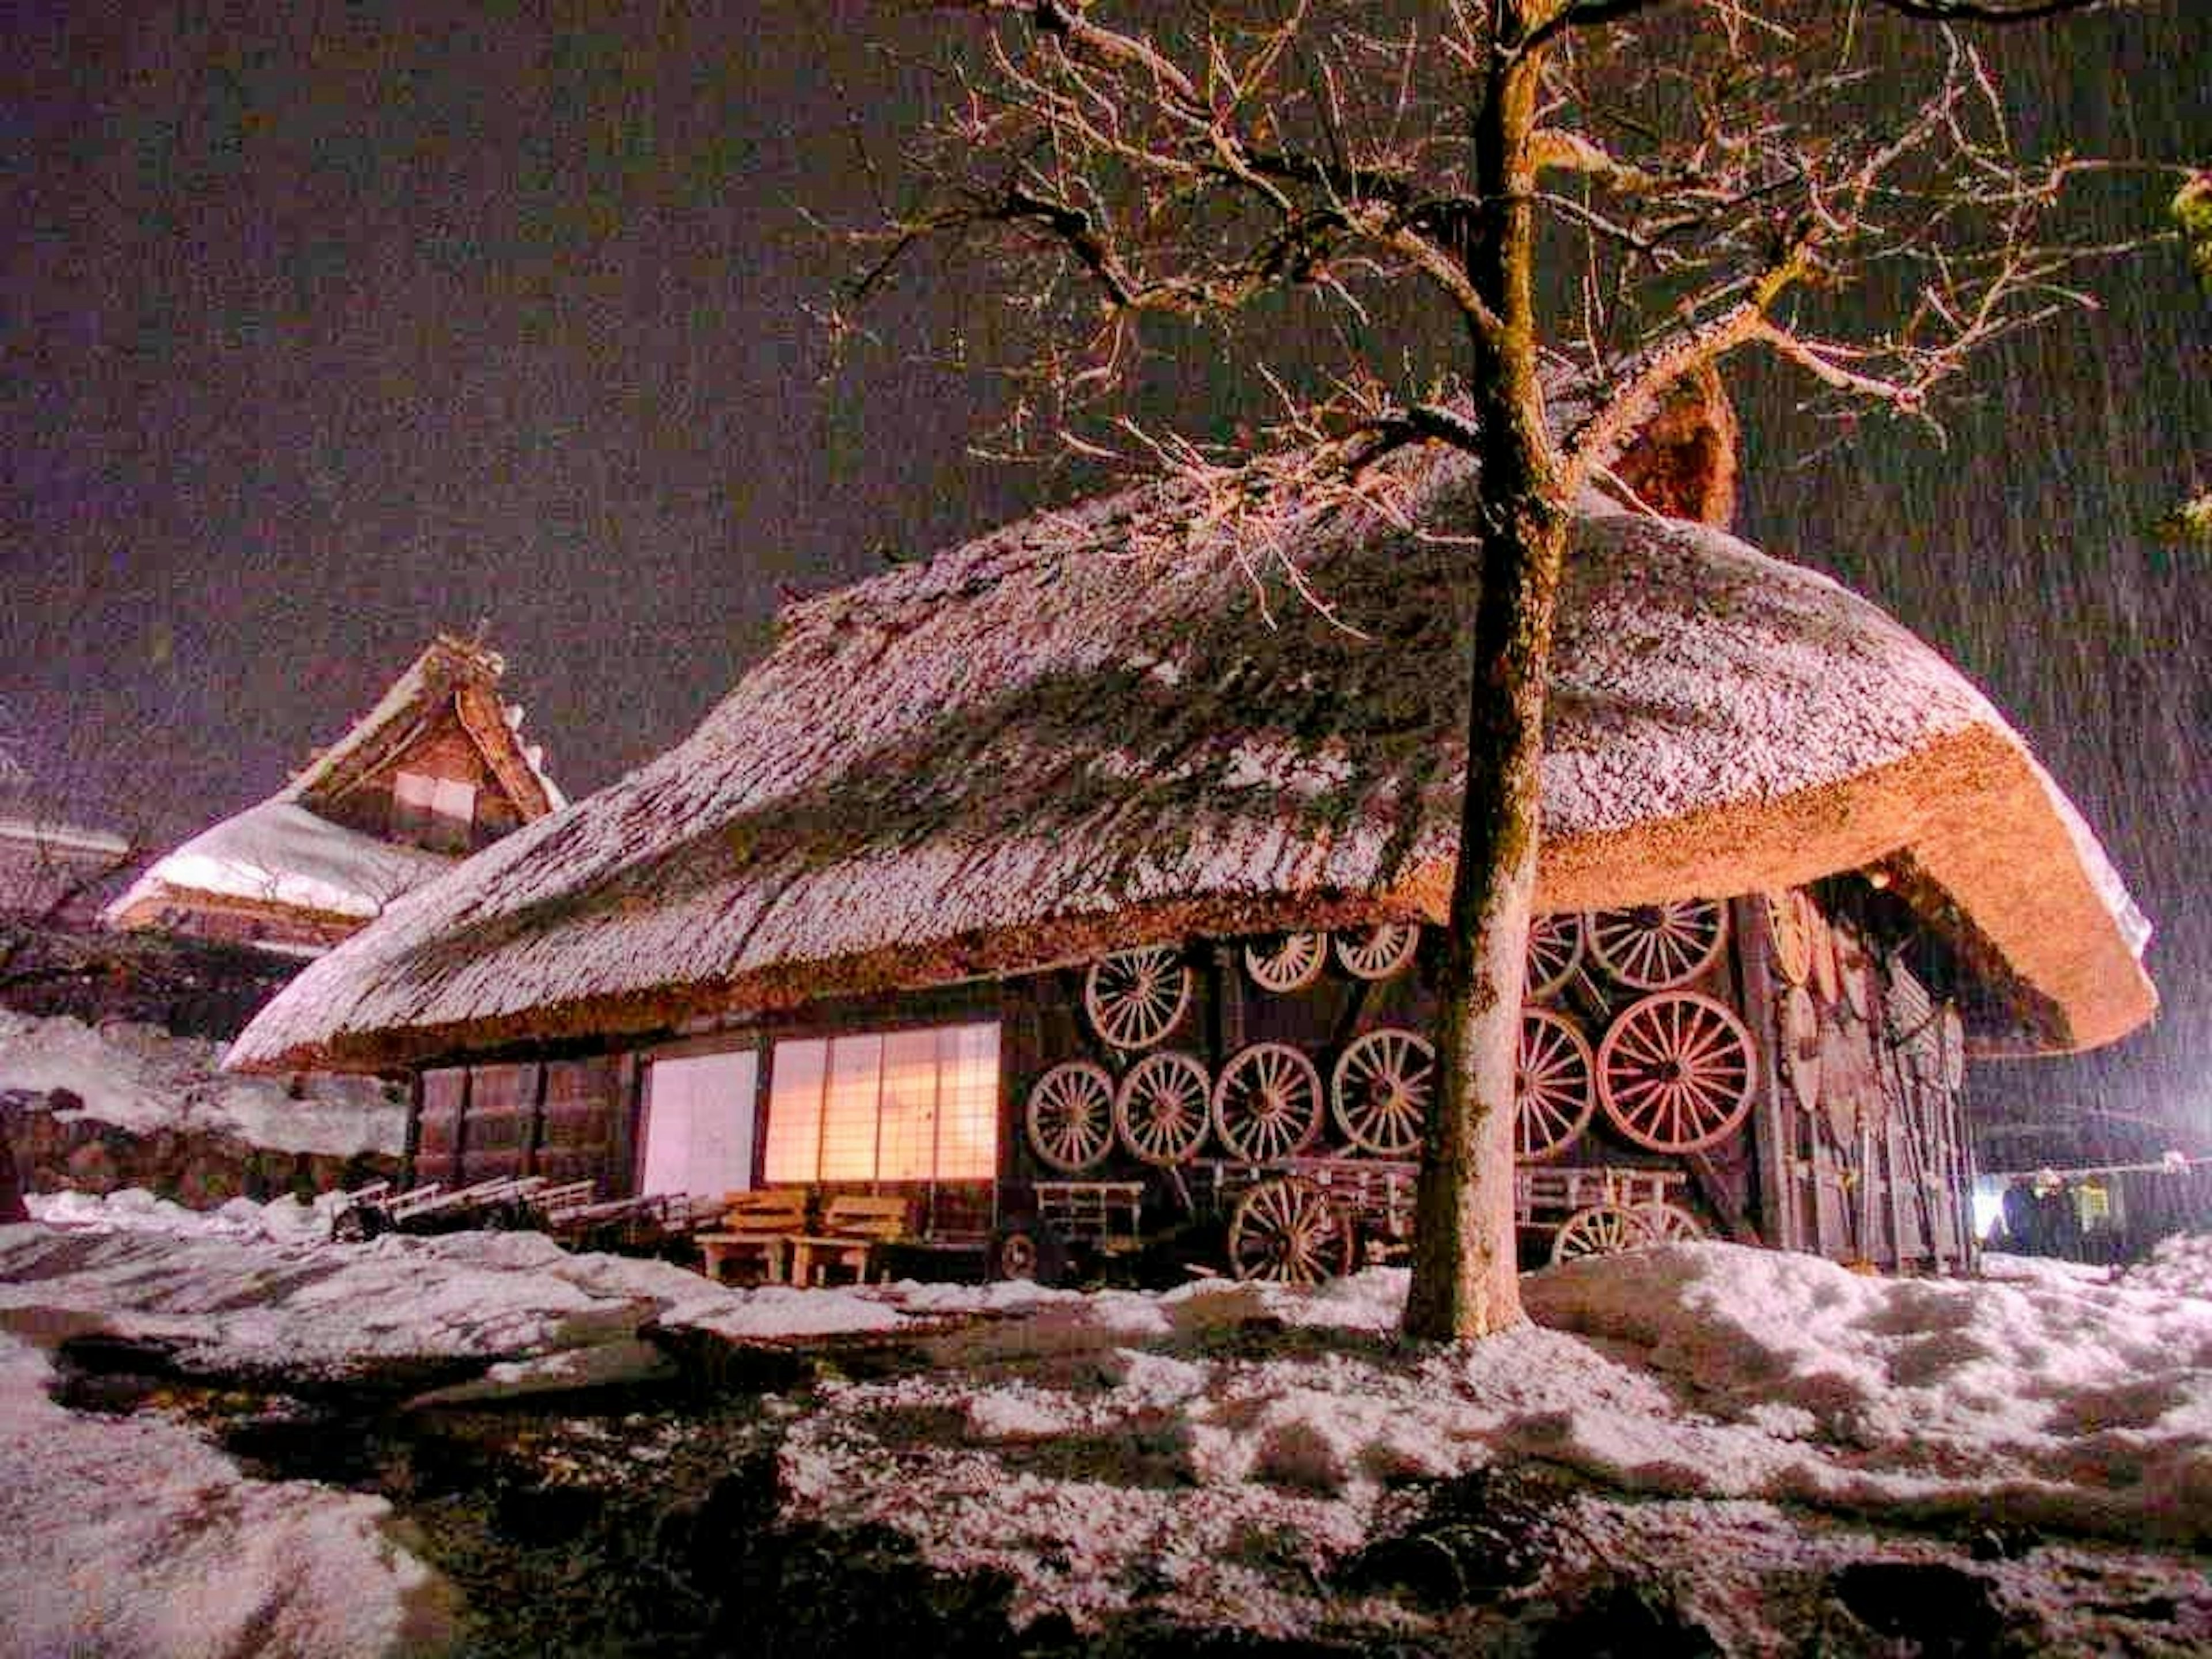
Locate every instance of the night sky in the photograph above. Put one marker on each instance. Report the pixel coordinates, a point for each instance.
(327, 327)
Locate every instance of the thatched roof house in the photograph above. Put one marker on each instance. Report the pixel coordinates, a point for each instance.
(1046, 743)
(436, 769)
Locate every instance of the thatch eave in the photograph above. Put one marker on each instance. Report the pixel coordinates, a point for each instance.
(1037, 748)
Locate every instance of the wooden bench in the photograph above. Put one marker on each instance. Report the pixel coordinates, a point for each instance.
(760, 1224)
(854, 1225)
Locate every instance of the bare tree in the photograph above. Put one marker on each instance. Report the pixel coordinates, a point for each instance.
(1509, 227)
(2192, 207)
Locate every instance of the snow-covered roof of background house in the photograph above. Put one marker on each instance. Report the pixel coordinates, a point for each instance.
(283, 854)
(1049, 743)
(278, 852)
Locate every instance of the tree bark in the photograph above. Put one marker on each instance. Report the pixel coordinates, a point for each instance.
(1464, 1281)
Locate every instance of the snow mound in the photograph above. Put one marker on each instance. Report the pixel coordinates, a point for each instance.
(130, 1537)
(2182, 1264)
(140, 1079)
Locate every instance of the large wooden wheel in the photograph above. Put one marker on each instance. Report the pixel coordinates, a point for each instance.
(1555, 951)
(1382, 951)
(1070, 1115)
(1800, 1045)
(1654, 947)
(1135, 998)
(1267, 1103)
(1675, 1072)
(1290, 962)
(1160, 1112)
(1825, 981)
(1791, 930)
(1379, 1090)
(1287, 1230)
(1599, 1230)
(1852, 966)
(1669, 1224)
(1552, 1099)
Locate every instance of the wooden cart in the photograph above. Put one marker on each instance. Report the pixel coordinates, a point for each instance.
(1303, 1219)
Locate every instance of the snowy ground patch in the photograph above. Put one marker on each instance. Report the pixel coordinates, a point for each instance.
(1268, 1428)
(130, 1537)
(1735, 1425)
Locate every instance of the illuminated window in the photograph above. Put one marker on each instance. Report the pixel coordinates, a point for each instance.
(433, 813)
(885, 1106)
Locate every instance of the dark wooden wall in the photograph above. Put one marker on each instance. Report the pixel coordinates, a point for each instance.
(1872, 1168)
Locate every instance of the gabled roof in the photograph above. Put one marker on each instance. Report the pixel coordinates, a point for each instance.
(451, 673)
(283, 855)
(1043, 745)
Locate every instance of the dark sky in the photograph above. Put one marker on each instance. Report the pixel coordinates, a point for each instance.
(329, 326)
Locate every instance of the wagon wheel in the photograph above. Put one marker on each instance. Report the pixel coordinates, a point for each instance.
(1851, 972)
(1800, 1045)
(1070, 1115)
(1824, 979)
(1555, 951)
(1952, 1029)
(1267, 1102)
(1674, 1073)
(1160, 1112)
(1670, 1224)
(1600, 1229)
(1379, 1090)
(1287, 963)
(1382, 951)
(1654, 947)
(1135, 998)
(1788, 925)
(1552, 1097)
(1287, 1230)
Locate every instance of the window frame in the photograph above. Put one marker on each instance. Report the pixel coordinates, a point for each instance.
(774, 1169)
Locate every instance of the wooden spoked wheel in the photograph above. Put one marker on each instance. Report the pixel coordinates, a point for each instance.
(1669, 1224)
(1070, 1115)
(1825, 981)
(1289, 962)
(1599, 1230)
(1654, 947)
(1553, 1096)
(1800, 1045)
(1381, 1088)
(1674, 1073)
(1161, 1110)
(1555, 951)
(1287, 1229)
(1135, 998)
(1788, 926)
(1267, 1103)
(1383, 952)
(1852, 965)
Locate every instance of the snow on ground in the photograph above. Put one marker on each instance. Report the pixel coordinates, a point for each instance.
(140, 1077)
(1707, 1372)
(131, 1536)
(1743, 1418)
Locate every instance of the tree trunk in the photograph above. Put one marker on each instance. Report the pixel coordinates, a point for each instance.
(1465, 1265)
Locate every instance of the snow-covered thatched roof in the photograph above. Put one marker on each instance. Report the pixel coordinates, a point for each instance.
(1054, 741)
(278, 854)
(287, 854)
